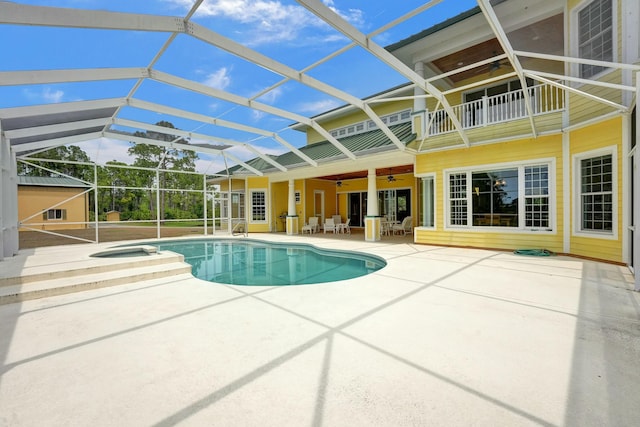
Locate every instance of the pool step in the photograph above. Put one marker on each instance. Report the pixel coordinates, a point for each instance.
(59, 268)
(92, 274)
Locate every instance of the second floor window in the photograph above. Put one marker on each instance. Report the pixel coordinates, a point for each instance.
(595, 35)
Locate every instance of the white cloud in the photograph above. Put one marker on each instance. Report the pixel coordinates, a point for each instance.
(244, 154)
(103, 150)
(317, 107)
(219, 79)
(257, 115)
(209, 164)
(45, 95)
(353, 16)
(50, 95)
(271, 96)
(270, 20)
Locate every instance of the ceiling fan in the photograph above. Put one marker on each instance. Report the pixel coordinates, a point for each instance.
(391, 178)
(498, 64)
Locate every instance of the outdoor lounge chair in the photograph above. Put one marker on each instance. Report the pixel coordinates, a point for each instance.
(329, 225)
(405, 227)
(344, 227)
(311, 226)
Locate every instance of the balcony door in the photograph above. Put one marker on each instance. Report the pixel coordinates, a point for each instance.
(503, 102)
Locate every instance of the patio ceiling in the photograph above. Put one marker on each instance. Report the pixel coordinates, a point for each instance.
(131, 83)
(390, 171)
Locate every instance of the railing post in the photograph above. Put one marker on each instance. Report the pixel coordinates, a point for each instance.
(485, 110)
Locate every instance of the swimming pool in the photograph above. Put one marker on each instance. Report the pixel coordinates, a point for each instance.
(260, 263)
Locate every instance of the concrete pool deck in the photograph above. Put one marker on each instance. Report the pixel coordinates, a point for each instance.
(441, 336)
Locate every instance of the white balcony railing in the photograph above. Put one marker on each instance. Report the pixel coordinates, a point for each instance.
(500, 108)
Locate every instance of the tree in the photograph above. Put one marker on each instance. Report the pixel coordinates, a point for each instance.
(165, 159)
(68, 155)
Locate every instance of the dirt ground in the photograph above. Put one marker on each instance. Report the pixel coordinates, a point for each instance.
(36, 239)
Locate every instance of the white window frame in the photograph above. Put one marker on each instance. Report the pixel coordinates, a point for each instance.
(252, 219)
(521, 228)
(432, 177)
(575, 37)
(577, 191)
(51, 214)
(394, 118)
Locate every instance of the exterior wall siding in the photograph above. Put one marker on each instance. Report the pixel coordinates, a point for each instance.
(236, 185)
(548, 147)
(257, 183)
(583, 109)
(584, 140)
(279, 204)
(328, 189)
(33, 199)
(601, 135)
(381, 109)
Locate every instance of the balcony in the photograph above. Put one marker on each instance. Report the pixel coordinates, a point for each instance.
(501, 108)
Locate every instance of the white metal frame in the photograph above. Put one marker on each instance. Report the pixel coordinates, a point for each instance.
(21, 14)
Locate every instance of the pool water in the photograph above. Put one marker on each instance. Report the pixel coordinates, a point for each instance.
(259, 263)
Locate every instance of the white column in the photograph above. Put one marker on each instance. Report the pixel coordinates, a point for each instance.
(292, 217)
(636, 197)
(204, 202)
(291, 207)
(372, 220)
(419, 115)
(419, 103)
(372, 194)
(9, 240)
(13, 210)
(3, 195)
(157, 203)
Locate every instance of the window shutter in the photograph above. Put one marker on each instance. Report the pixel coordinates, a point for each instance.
(64, 213)
(44, 215)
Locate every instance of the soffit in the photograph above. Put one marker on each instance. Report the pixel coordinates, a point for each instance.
(545, 36)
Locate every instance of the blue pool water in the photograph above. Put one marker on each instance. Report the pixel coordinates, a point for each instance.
(259, 263)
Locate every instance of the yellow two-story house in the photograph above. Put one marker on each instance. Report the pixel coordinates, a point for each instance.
(519, 133)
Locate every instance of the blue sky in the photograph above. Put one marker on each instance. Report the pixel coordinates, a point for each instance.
(280, 29)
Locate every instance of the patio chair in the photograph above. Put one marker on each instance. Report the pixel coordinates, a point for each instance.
(344, 227)
(405, 227)
(337, 219)
(311, 226)
(329, 225)
(385, 226)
